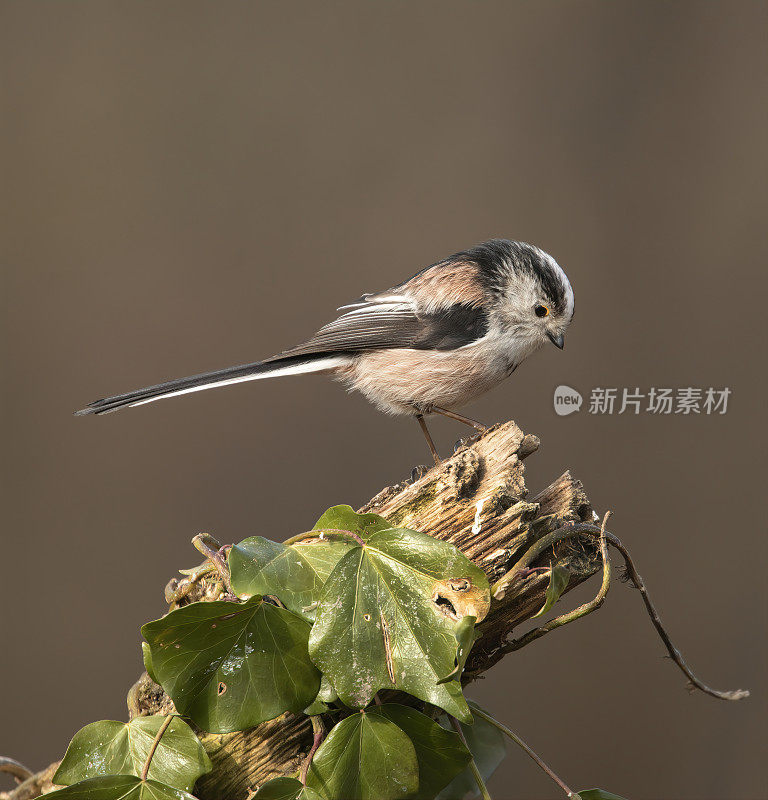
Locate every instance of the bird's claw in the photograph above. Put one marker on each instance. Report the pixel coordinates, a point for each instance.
(418, 472)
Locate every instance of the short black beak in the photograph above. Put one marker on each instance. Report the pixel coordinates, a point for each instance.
(557, 341)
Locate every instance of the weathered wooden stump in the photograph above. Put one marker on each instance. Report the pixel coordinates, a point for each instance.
(477, 499)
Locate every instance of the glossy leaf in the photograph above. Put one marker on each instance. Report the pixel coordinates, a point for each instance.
(598, 794)
(488, 747)
(325, 696)
(440, 753)
(345, 519)
(365, 757)
(315, 708)
(146, 656)
(119, 787)
(285, 789)
(377, 624)
(296, 574)
(327, 693)
(231, 666)
(121, 748)
(558, 581)
(465, 635)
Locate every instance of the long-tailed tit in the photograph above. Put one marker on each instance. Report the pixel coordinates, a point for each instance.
(429, 345)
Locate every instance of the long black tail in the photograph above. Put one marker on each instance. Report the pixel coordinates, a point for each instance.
(292, 365)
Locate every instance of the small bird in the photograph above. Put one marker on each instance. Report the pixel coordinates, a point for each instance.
(428, 345)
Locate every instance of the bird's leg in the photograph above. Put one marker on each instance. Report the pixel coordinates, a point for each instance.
(425, 431)
(478, 426)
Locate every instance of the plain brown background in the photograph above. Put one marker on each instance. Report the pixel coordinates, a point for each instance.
(192, 185)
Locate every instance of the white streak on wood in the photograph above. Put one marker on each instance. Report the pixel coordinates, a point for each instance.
(476, 526)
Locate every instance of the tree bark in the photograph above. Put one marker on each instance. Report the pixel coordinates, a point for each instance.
(477, 499)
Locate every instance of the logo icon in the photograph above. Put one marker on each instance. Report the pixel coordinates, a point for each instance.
(567, 400)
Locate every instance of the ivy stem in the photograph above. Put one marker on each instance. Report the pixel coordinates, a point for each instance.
(472, 765)
(13, 767)
(210, 548)
(520, 743)
(316, 534)
(577, 613)
(519, 569)
(319, 731)
(163, 728)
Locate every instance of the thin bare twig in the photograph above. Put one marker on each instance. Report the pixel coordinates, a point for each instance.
(578, 529)
(520, 743)
(675, 654)
(163, 728)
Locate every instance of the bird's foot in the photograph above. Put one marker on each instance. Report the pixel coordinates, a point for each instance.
(418, 472)
(467, 441)
(461, 442)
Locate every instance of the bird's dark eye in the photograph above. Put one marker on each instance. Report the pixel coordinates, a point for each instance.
(541, 311)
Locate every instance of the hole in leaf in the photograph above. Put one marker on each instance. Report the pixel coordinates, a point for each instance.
(367, 617)
(446, 606)
(221, 688)
(459, 597)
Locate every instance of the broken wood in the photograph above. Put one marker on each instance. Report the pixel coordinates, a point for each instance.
(476, 499)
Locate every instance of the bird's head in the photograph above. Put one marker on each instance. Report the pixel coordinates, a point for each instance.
(533, 297)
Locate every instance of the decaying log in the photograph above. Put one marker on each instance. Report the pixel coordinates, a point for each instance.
(477, 499)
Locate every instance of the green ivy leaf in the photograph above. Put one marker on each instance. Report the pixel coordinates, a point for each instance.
(440, 753)
(488, 747)
(315, 708)
(119, 787)
(231, 666)
(377, 625)
(365, 757)
(285, 789)
(296, 574)
(146, 656)
(344, 518)
(598, 794)
(325, 696)
(465, 635)
(121, 748)
(558, 581)
(327, 693)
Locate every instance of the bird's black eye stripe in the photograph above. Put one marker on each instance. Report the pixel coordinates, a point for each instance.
(541, 311)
